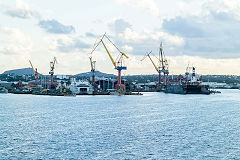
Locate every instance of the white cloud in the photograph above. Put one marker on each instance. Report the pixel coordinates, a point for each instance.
(15, 49)
(66, 43)
(132, 36)
(168, 38)
(127, 48)
(14, 41)
(231, 7)
(22, 10)
(118, 25)
(55, 27)
(148, 5)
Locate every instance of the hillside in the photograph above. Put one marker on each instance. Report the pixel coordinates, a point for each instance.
(29, 71)
(97, 74)
(20, 72)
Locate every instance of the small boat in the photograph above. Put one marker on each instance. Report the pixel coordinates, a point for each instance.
(3, 90)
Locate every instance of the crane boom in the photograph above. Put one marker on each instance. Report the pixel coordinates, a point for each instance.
(52, 64)
(113, 62)
(35, 73)
(96, 45)
(91, 63)
(148, 55)
(116, 46)
(32, 66)
(153, 64)
(124, 54)
(161, 52)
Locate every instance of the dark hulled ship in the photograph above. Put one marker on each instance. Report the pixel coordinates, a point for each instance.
(188, 84)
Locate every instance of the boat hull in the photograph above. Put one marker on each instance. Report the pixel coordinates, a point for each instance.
(3, 91)
(187, 89)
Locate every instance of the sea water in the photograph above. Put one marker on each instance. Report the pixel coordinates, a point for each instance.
(151, 126)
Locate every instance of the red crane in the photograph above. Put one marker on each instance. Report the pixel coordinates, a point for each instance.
(118, 63)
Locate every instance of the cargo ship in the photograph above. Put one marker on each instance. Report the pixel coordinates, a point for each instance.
(191, 83)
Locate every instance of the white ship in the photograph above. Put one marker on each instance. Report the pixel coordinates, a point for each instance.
(80, 87)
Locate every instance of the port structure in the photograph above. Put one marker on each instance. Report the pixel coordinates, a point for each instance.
(52, 67)
(118, 63)
(34, 71)
(162, 66)
(93, 67)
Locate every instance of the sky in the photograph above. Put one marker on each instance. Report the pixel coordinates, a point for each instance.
(204, 34)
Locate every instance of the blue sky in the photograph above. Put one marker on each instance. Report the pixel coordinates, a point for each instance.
(201, 33)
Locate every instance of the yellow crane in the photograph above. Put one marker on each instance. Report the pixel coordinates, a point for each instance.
(34, 71)
(118, 63)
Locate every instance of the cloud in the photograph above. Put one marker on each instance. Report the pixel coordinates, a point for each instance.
(127, 48)
(53, 26)
(147, 37)
(211, 36)
(119, 25)
(230, 7)
(66, 43)
(74, 45)
(129, 35)
(183, 27)
(13, 42)
(22, 10)
(148, 5)
(90, 35)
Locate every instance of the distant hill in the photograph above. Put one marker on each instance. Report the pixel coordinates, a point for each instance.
(29, 71)
(97, 74)
(20, 72)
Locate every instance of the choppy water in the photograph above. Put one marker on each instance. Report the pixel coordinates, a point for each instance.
(152, 126)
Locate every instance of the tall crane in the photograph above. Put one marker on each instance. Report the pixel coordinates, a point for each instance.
(162, 66)
(118, 63)
(52, 67)
(93, 66)
(34, 71)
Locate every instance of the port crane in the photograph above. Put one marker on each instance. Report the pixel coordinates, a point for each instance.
(34, 71)
(52, 67)
(162, 66)
(118, 63)
(93, 66)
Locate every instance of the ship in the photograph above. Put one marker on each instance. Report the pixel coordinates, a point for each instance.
(191, 83)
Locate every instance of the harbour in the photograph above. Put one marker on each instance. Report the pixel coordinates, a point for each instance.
(67, 85)
(119, 80)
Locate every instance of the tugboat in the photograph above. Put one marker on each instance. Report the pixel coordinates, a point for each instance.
(190, 84)
(3, 90)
